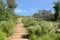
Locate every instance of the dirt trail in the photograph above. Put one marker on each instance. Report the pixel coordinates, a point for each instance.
(19, 32)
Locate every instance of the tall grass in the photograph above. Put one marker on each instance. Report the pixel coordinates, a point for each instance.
(41, 30)
(2, 35)
(6, 28)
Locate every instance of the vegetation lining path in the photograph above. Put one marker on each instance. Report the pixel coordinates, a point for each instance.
(19, 32)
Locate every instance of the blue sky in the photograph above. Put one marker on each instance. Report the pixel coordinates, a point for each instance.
(29, 7)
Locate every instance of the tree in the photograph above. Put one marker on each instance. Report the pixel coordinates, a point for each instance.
(11, 4)
(2, 11)
(45, 14)
(36, 15)
(57, 10)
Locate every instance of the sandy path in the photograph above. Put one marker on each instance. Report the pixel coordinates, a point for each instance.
(19, 31)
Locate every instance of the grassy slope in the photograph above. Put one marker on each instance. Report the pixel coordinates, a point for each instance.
(41, 29)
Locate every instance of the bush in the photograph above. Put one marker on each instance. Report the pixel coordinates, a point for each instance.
(7, 27)
(34, 32)
(50, 36)
(2, 35)
(41, 30)
(29, 22)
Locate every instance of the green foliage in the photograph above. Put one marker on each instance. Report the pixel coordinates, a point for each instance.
(34, 32)
(2, 11)
(11, 4)
(50, 36)
(42, 30)
(2, 35)
(57, 10)
(33, 37)
(7, 27)
(37, 15)
(29, 22)
(8, 18)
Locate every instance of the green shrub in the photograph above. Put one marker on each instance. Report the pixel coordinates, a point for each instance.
(34, 32)
(33, 37)
(55, 36)
(50, 36)
(41, 30)
(29, 22)
(7, 27)
(2, 35)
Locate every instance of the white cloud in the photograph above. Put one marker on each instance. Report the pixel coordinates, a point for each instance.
(21, 10)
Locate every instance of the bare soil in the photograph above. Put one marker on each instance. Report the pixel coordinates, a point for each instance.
(19, 32)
